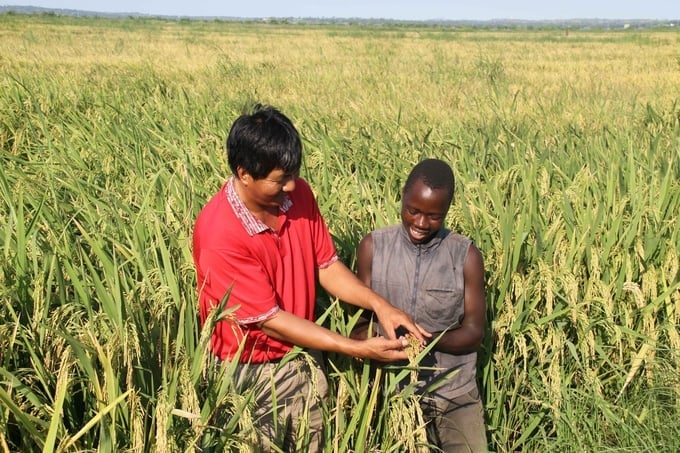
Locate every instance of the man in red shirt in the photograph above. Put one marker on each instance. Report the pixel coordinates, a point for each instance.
(261, 240)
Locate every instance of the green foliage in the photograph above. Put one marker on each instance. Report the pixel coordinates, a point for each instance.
(567, 182)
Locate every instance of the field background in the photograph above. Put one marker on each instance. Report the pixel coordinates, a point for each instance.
(566, 149)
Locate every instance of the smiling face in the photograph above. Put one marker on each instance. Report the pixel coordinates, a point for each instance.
(268, 192)
(423, 211)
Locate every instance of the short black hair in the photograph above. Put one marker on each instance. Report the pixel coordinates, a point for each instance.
(262, 141)
(434, 173)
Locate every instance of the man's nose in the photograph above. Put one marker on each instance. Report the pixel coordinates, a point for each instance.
(420, 221)
(289, 186)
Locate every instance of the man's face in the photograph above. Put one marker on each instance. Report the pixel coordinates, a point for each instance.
(272, 189)
(423, 211)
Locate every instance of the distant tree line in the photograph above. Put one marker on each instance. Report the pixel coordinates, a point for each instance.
(494, 23)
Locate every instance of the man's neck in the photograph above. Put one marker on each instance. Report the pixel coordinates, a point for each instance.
(268, 215)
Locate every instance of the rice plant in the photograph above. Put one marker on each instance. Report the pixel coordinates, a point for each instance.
(566, 152)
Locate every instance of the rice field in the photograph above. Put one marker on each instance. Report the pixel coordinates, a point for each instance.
(566, 150)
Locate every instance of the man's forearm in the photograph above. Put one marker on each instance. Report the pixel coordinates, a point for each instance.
(462, 340)
(301, 332)
(339, 281)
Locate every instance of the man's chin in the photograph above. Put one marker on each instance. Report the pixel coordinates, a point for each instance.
(417, 237)
(278, 202)
(420, 239)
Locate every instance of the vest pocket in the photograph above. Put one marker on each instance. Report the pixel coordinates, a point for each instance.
(441, 309)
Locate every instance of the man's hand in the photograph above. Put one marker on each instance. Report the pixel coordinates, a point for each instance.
(392, 318)
(287, 327)
(383, 349)
(339, 281)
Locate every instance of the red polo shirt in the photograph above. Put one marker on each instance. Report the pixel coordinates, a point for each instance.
(266, 270)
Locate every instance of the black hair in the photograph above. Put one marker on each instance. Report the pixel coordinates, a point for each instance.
(434, 173)
(262, 141)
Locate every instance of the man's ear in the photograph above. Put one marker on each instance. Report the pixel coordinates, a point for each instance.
(243, 176)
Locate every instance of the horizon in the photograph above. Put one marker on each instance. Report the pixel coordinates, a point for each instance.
(399, 10)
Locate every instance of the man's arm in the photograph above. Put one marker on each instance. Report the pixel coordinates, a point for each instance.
(468, 337)
(365, 259)
(364, 269)
(338, 280)
(285, 326)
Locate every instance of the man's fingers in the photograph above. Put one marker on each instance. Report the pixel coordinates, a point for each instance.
(424, 332)
(390, 334)
(397, 349)
(418, 332)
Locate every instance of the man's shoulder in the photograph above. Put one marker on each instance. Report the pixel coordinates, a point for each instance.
(456, 243)
(386, 230)
(387, 237)
(216, 215)
(452, 236)
(303, 200)
(302, 190)
(216, 203)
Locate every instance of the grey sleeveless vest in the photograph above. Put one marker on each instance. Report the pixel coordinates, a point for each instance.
(426, 281)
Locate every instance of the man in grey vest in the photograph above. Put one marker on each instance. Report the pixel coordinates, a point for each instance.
(437, 277)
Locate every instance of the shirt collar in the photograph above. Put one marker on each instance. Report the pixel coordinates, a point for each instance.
(251, 224)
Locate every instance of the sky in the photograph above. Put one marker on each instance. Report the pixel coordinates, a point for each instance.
(385, 9)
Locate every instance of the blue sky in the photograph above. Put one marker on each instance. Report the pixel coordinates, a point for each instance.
(388, 9)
